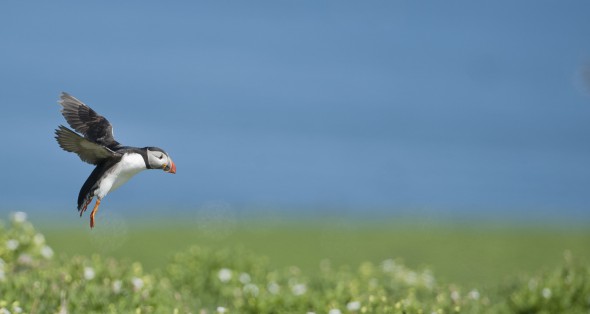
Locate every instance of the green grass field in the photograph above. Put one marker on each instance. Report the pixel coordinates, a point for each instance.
(476, 253)
(326, 266)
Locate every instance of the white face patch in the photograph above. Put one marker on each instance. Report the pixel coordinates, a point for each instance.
(157, 159)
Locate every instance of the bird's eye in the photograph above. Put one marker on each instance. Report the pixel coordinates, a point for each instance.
(161, 156)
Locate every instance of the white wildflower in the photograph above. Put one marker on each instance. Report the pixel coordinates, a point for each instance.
(224, 275)
(17, 309)
(474, 294)
(46, 252)
(244, 278)
(334, 311)
(299, 289)
(137, 283)
(546, 293)
(251, 289)
(19, 217)
(388, 265)
(88, 273)
(273, 288)
(12, 244)
(39, 239)
(25, 259)
(4, 311)
(63, 306)
(221, 309)
(117, 285)
(353, 306)
(428, 279)
(411, 277)
(455, 296)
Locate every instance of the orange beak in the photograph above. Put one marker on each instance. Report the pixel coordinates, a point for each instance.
(171, 167)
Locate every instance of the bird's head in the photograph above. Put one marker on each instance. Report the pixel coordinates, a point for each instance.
(158, 159)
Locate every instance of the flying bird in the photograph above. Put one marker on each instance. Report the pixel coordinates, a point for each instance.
(115, 163)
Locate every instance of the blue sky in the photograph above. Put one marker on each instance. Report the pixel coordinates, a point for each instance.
(370, 106)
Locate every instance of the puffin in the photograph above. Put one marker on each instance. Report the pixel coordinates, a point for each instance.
(96, 145)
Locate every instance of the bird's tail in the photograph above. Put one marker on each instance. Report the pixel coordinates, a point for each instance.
(87, 191)
(86, 202)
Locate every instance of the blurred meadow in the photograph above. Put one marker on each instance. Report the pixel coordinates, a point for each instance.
(474, 254)
(332, 157)
(215, 272)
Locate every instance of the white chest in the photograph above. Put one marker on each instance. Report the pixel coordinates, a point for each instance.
(130, 165)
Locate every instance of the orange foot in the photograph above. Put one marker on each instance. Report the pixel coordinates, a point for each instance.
(83, 209)
(94, 210)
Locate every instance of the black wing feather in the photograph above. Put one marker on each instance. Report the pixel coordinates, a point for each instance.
(86, 121)
(88, 151)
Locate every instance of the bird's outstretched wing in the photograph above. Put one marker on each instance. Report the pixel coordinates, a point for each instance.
(86, 121)
(88, 151)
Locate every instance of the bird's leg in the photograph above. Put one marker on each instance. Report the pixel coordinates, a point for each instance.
(83, 209)
(94, 210)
